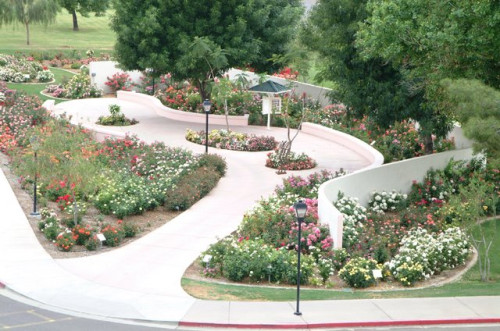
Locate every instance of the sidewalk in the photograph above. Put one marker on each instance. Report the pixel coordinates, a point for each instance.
(141, 281)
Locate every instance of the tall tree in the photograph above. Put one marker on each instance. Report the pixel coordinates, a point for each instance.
(84, 8)
(430, 40)
(366, 86)
(27, 12)
(198, 39)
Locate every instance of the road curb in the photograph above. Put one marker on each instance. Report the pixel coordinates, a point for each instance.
(342, 324)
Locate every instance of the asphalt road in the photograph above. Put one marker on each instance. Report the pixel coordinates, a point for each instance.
(17, 315)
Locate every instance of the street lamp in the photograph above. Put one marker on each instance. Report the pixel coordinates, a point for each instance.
(300, 208)
(206, 106)
(35, 145)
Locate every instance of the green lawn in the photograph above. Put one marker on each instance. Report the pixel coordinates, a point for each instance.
(35, 89)
(469, 285)
(94, 33)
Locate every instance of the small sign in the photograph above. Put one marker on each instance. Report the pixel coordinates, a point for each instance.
(207, 258)
(101, 237)
(276, 105)
(377, 273)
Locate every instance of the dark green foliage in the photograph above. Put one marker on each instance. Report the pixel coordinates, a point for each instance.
(427, 41)
(191, 188)
(365, 86)
(130, 229)
(198, 39)
(477, 107)
(213, 161)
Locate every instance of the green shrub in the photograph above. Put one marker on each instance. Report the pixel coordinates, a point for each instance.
(409, 273)
(213, 161)
(192, 188)
(50, 227)
(339, 257)
(114, 235)
(82, 233)
(92, 243)
(65, 241)
(130, 230)
(256, 261)
(358, 272)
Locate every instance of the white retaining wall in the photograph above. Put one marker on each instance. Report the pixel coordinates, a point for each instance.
(177, 115)
(101, 70)
(393, 176)
(368, 152)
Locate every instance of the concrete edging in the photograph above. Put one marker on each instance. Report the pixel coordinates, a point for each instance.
(306, 325)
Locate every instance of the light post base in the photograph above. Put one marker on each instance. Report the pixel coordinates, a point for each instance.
(298, 313)
(35, 214)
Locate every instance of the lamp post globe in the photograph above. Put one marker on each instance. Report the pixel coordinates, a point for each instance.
(300, 208)
(206, 106)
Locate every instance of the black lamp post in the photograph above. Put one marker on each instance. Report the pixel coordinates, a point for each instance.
(206, 105)
(300, 213)
(35, 145)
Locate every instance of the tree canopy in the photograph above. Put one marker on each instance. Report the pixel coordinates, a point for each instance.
(84, 8)
(477, 107)
(27, 12)
(197, 39)
(366, 86)
(432, 40)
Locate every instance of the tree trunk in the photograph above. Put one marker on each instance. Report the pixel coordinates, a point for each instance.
(202, 88)
(27, 33)
(428, 143)
(75, 21)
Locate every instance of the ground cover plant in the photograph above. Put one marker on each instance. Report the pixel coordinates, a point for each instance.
(408, 237)
(232, 140)
(120, 177)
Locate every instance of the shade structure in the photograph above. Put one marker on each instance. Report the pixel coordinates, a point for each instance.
(269, 87)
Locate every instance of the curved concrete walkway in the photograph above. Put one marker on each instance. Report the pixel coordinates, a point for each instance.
(141, 281)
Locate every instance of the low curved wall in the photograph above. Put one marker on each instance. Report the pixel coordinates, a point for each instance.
(371, 154)
(177, 115)
(393, 176)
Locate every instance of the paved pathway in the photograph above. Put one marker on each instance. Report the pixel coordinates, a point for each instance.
(141, 281)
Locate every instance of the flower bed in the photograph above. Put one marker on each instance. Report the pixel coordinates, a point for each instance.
(21, 70)
(232, 140)
(264, 247)
(78, 87)
(184, 96)
(400, 141)
(407, 238)
(120, 177)
(294, 162)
